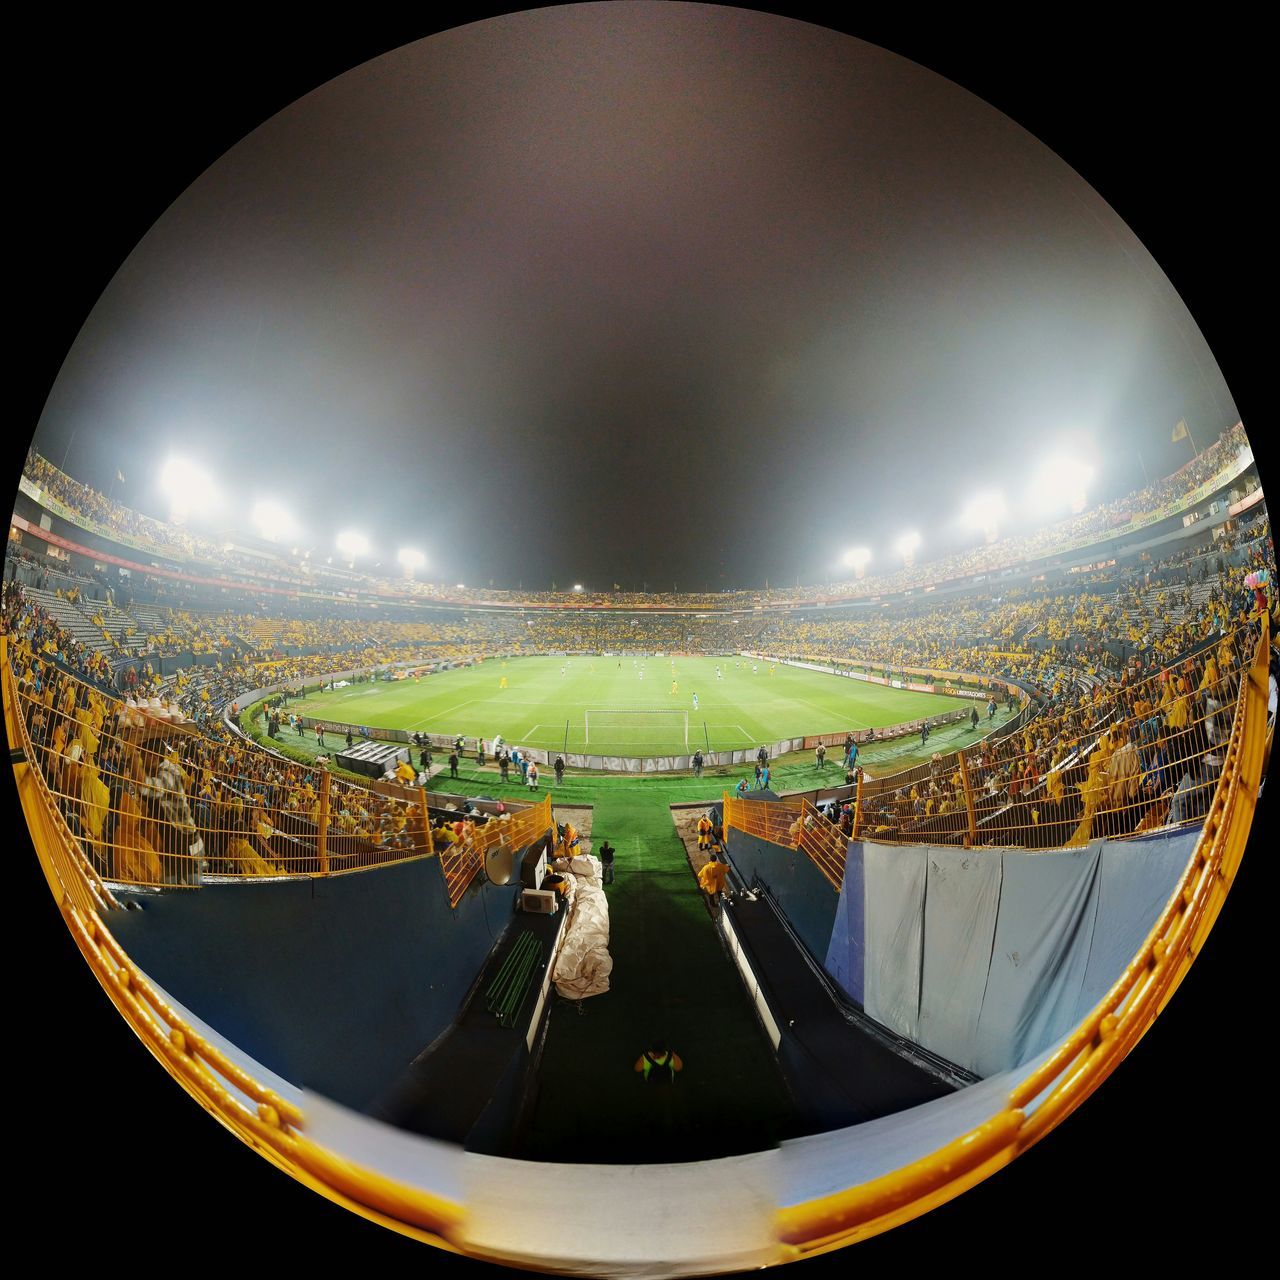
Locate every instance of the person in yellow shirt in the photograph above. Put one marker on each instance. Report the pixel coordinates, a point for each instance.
(569, 840)
(704, 832)
(712, 879)
(136, 860)
(658, 1064)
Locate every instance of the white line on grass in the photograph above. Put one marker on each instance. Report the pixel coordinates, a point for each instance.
(440, 714)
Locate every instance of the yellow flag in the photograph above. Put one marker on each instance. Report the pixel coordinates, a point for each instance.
(1180, 431)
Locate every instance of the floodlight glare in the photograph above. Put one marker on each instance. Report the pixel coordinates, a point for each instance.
(272, 521)
(856, 558)
(907, 544)
(985, 511)
(1061, 482)
(351, 543)
(577, 586)
(411, 559)
(189, 488)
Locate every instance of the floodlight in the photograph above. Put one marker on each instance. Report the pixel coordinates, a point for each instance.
(907, 544)
(462, 586)
(189, 488)
(577, 586)
(351, 543)
(856, 558)
(411, 559)
(272, 521)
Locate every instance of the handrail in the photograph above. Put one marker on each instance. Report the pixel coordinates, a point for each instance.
(462, 861)
(1099, 1043)
(271, 1125)
(1117, 776)
(182, 805)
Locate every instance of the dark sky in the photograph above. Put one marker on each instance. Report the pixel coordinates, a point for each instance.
(664, 293)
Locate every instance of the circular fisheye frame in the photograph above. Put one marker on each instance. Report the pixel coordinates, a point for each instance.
(636, 641)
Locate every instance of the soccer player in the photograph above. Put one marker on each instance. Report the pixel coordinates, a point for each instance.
(502, 684)
(695, 702)
(675, 688)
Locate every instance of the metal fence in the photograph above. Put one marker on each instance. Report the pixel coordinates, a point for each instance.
(1110, 762)
(154, 802)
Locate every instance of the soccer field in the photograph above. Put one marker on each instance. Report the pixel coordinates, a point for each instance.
(612, 706)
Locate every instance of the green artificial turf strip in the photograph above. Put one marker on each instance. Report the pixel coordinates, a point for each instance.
(670, 977)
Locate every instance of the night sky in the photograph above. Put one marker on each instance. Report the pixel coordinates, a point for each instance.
(640, 293)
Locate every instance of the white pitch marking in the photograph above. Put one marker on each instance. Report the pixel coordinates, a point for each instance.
(441, 714)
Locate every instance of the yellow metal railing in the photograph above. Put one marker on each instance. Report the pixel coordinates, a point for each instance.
(1101, 1041)
(461, 860)
(1113, 765)
(258, 1116)
(157, 803)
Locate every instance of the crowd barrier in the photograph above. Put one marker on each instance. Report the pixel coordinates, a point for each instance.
(1141, 760)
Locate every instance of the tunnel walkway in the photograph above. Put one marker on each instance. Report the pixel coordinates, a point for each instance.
(672, 977)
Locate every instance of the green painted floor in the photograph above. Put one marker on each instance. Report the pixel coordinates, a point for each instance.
(671, 977)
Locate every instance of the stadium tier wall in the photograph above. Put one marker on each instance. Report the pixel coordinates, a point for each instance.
(336, 984)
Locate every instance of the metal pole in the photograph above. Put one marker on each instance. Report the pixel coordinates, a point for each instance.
(426, 820)
(322, 824)
(968, 800)
(857, 809)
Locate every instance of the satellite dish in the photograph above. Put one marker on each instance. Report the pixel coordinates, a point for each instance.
(499, 866)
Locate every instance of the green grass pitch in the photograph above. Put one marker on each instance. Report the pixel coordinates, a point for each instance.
(743, 709)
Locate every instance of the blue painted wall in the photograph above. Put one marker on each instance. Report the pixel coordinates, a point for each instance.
(336, 984)
(799, 888)
(845, 956)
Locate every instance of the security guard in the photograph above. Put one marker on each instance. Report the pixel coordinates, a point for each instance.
(658, 1064)
(704, 832)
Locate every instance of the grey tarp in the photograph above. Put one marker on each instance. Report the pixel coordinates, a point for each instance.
(961, 903)
(1048, 903)
(895, 883)
(1137, 880)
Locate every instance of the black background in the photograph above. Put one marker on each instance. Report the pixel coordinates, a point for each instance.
(116, 116)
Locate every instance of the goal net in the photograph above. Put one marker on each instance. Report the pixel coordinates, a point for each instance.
(657, 728)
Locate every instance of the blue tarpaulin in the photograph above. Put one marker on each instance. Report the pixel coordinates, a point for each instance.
(961, 903)
(895, 883)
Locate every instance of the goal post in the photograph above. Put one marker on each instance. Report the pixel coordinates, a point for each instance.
(656, 724)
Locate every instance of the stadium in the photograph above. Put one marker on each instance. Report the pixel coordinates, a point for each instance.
(477, 908)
